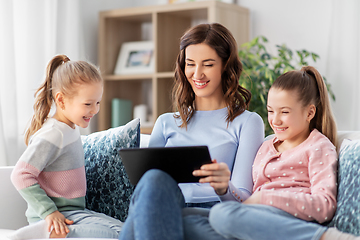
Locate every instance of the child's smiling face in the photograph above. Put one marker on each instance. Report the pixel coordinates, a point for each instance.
(79, 109)
(287, 116)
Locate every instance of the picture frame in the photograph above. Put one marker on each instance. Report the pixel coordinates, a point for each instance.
(135, 58)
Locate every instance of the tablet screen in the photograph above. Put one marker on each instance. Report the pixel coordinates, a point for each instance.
(178, 162)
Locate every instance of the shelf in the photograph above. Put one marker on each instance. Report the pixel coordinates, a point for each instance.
(127, 77)
(165, 75)
(138, 76)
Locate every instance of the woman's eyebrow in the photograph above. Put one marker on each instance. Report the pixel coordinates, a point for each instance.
(205, 60)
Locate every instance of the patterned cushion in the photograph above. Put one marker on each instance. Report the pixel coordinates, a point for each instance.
(108, 187)
(347, 216)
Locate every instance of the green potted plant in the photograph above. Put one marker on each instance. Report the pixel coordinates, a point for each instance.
(260, 69)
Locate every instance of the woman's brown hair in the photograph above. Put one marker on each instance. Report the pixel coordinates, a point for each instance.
(61, 76)
(311, 89)
(222, 41)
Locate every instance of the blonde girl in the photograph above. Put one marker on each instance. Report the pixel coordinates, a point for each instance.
(294, 173)
(50, 174)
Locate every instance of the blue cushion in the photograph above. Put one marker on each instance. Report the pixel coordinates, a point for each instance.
(347, 216)
(108, 186)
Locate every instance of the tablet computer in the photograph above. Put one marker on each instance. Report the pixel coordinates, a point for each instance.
(178, 162)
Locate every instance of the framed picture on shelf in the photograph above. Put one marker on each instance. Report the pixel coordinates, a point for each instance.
(135, 58)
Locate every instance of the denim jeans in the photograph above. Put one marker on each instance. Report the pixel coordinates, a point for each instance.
(87, 224)
(242, 221)
(155, 209)
(196, 225)
(90, 224)
(158, 211)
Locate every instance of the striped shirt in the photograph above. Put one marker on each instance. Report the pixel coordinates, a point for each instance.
(50, 174)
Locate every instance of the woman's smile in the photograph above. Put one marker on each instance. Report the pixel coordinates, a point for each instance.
(200, 84)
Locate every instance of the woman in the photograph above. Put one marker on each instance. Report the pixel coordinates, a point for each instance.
(211, 111)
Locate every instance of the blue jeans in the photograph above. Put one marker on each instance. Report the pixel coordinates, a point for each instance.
(196, 225)
(155, 209)
(242, 221)
(158, 211)
(90, 224)
(87, 224)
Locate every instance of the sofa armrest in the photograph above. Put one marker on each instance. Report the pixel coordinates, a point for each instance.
(12, 205)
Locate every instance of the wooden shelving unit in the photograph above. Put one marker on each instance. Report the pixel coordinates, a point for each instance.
(167, 23)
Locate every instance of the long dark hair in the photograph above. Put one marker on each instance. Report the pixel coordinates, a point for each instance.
(222, 41)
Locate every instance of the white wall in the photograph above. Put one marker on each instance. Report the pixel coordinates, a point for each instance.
(300, 25)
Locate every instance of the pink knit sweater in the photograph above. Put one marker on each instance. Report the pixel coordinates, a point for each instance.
(300, 181)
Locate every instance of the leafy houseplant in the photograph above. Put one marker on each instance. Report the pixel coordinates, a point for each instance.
(260, 69)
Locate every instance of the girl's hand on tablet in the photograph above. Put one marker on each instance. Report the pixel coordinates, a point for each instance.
(216, 174)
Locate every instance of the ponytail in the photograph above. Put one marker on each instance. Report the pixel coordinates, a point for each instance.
(311, 89)
(44, 97)
(323, 120)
